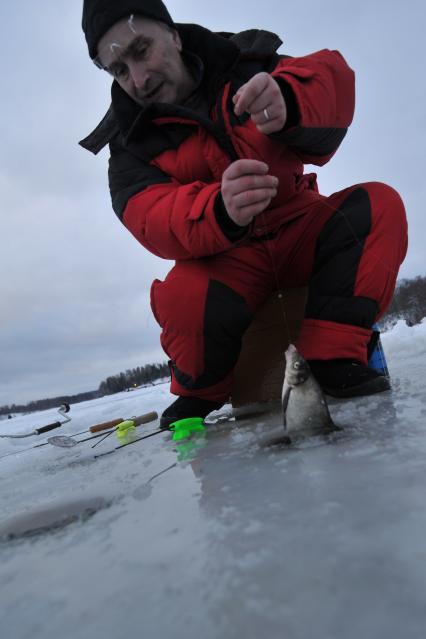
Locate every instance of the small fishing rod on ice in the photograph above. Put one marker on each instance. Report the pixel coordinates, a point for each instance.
(96, 431)
(119, 426)
(65, 408)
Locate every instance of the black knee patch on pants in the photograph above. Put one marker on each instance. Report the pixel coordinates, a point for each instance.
(339, 250)
(226, 318)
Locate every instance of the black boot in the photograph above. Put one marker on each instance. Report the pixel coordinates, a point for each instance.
(347, 378)
(187, 407)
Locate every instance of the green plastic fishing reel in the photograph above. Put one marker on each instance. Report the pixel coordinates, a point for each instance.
(184, 428)
(126, 431)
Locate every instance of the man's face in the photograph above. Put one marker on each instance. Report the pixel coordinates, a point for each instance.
(144, 57)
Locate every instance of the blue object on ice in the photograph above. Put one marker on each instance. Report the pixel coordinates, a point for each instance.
(377, 359)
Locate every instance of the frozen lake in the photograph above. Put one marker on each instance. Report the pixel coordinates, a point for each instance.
(324, 539)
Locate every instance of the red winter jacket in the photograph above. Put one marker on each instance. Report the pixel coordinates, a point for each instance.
(167, 161)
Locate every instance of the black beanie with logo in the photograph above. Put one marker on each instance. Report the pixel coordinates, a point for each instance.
(100, 15)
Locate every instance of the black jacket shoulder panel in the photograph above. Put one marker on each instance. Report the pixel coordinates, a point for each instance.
(256, 42)
(106, 130)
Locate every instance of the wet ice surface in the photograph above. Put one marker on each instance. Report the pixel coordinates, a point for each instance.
(322, 539)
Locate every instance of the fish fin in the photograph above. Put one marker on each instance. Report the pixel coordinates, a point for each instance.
(284, 401)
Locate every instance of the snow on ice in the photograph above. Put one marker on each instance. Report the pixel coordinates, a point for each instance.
(227, 539)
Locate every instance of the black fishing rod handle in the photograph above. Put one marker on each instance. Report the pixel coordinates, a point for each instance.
(48, 427)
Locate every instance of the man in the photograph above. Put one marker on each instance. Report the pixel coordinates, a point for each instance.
(208, 136)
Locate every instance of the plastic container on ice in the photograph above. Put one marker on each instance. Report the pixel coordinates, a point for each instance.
(376, 354)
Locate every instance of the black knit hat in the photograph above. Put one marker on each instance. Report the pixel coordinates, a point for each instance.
(100, 15)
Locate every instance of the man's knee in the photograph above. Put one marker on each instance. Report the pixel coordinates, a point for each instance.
(192, 298)
(203, 322)
(178, 298)
(389, 220)
(386, 204)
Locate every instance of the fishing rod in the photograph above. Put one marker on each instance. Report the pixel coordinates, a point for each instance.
(93, 429)
(98, 430)
(123, 426)
(65, 408)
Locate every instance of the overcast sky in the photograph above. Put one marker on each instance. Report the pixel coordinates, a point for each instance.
(74, 283)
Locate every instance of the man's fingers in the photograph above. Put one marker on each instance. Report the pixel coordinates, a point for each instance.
(247, 189)
(245, 167)
(266, 114)
(253, 182)
(249, 198)
(245, 215)
(249, 92)
(257, 108)
(262, 98)
(271, 126)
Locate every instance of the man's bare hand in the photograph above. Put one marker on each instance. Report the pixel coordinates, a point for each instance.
(247, 189)
(261, 97)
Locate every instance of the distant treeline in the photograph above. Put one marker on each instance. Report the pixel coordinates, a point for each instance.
(408, 303)
(121, 381)
(133, 377)
(44, 404)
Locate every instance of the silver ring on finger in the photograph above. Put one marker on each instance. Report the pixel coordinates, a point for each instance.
(266, 114)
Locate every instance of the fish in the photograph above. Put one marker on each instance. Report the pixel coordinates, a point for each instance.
(304, 408)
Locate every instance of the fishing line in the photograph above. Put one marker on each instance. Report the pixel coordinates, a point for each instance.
(103, 438)
(162, 472)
